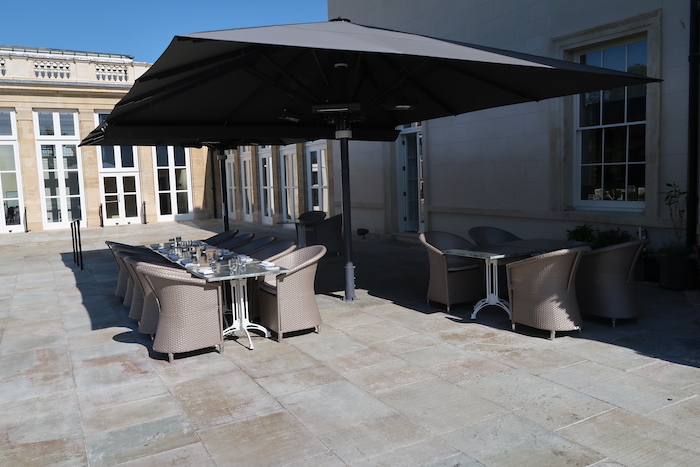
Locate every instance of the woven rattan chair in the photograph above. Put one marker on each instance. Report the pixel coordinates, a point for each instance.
(542, 291)
(221, 237)
(125, 285)
(485, 235)
(254, 245)
(329, 233)
(237, 241)
(288, 301)
(306, 223)
(272, 251)
(605, 281)
(190, 311)
(141, 287)
(452, 279)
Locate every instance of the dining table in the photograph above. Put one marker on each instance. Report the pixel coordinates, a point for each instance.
(234, 276)
(511, 250)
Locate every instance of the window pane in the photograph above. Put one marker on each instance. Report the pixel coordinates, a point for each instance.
(7, 157)
(5, 124)
(615, 58)
(70, 157)
(613, 106)
(635, 182)
(615, 144)
(180, 179)
(108, 157)
(46, 124)
(636, 103)
(182, 204)
(8, 181)
(53, 210)
(50, 184)
(110, 184)
(591, 146)
(163, 180)
(590, 108)
(591, 183)
(637, 58)
(127, 156)
(129, 184)
(162, 156)
(313, 157)
(48, 157)
(179, 153)
(614, 182)
(130, 206)
(111, 207)
(72, 186)
(165, 206)
(636, 143)
(74, 208)
(67, 124)
(593, 59)
(12, 216)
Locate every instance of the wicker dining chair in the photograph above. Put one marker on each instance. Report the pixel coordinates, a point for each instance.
(237, 241)
(124, 287)
(288, 301)
(190, 311)
(141, 287)
(453, 279)
(542, 291)
(221, 237)
(605, 281)
(486, 235)
(273, 250)
(252, 246)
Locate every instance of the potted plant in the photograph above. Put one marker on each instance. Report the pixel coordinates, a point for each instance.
(582, 233)
(675, 262)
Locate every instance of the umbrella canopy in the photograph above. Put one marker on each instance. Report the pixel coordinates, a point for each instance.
(301, 82)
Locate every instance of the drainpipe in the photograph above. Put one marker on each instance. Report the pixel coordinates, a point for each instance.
(693, 105)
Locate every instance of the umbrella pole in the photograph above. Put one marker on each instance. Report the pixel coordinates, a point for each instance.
(343, 136)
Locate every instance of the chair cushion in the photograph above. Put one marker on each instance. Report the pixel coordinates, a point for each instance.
(268, 287)
(455, 263)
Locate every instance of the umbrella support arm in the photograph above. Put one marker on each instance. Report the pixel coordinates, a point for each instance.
(343, 135)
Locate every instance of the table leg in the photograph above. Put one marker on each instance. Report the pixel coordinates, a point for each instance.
(491, 290)
(240, 311)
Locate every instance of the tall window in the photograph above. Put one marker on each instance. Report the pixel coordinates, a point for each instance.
(173, 182)
(290, 183)
(231, 181)
(317, 169)
(267, 184)
(612, 133)
(119, 183)
(59, 165)
(247, 182)
(9, 175)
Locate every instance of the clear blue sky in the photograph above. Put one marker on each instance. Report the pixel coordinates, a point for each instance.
(141, 28)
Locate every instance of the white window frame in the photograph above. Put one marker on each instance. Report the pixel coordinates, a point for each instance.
(120, 172)
(266, 181)
(246, 177)
(320, 168)
(173, 190)
(231, 182)
(605, 205)
(11, 141)
(59, 142)
(290, 183)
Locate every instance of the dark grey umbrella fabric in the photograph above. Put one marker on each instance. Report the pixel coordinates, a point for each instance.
(302, 82)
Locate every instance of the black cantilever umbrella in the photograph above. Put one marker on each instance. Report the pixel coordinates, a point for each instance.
(301, 82)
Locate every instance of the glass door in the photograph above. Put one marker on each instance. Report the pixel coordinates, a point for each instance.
(290, 183)
(231, 183)
(247, 184)
(267, 185)
(317, 171)
(10, 186)
(173, 183)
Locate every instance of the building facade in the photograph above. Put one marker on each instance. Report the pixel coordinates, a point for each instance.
(49, 100)
(541, 168)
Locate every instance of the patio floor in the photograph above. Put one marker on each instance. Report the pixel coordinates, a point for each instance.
(389, 381)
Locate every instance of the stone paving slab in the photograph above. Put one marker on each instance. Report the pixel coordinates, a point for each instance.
(390, 379)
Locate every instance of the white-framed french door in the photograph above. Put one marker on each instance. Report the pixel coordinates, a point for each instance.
(267, 185)
(173, 186)
(119, 183)
(410, 179)
(10, 182)
(248, 202)
(317, 175)
(60, 167)
(290, 183)
(231, 183)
